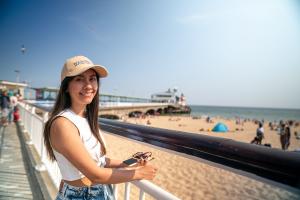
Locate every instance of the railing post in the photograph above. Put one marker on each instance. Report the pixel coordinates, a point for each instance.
(127, 191)
(115, 191)
(142, 195)
(41, 167)
(21, 112)
(26, 108)
(30, 128)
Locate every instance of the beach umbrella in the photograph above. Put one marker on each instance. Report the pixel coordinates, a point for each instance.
(220, 127)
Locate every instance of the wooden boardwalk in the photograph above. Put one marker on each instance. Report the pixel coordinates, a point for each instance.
(14, 180)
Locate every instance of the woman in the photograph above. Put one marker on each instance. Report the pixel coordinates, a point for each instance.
(72, 137)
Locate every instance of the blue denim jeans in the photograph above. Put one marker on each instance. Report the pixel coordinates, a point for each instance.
(95, 192)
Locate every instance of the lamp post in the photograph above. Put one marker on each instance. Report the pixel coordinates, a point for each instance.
(23, 49)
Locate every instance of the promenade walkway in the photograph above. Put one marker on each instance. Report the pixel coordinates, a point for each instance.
(15, 181)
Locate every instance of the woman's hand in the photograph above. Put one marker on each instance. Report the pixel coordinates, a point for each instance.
(141, 162)
(147, 171)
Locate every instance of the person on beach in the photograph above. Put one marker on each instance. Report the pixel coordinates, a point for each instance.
(4, 104)
(259, 134)
(72, 137)
(285, 135)
(13, 104)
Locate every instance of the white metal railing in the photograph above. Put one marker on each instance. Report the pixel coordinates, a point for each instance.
(129, 104)
(110, 104)
(34, 125)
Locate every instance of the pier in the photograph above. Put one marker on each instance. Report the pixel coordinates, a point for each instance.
(117, 110)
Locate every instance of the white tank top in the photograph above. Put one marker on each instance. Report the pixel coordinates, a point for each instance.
(92, 145)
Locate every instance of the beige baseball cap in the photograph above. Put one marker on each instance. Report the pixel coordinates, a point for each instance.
(79, 64)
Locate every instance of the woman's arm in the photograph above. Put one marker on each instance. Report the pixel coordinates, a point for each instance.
(112, 163)
(66, 140)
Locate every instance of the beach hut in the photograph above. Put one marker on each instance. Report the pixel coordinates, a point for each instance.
(220, 127)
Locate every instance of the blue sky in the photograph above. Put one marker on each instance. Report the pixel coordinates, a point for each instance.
(229, 53)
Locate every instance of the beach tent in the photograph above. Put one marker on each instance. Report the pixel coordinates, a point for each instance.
(220, 127)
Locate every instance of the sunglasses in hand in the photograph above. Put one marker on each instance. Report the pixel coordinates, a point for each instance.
(138, 157)
(147, 156)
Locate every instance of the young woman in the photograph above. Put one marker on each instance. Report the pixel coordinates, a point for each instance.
(72, 137)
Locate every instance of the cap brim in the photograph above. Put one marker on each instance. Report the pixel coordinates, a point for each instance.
(100, 70)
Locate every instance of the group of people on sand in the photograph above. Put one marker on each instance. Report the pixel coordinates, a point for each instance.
(9, 109)
(284, 131)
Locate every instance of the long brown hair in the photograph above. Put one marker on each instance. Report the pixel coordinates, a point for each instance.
(63, 101)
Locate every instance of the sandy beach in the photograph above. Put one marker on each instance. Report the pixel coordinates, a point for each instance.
(192, 180)
(243, 132)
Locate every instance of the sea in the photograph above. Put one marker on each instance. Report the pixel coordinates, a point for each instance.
(268, 114)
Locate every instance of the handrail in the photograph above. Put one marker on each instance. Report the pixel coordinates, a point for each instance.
(272, 164)
(152, 189)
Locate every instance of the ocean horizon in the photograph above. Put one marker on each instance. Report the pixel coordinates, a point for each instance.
(270, 114)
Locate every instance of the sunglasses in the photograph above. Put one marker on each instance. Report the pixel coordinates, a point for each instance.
(147, 156)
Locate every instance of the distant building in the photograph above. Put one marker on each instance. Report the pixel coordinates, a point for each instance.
(164, 97)
(46, 93)
(182, 100)
(29, 93)
(13, 87)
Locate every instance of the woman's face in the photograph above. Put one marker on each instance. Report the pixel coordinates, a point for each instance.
(82, 88)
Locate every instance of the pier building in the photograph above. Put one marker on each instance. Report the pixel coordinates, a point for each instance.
(13, 87)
